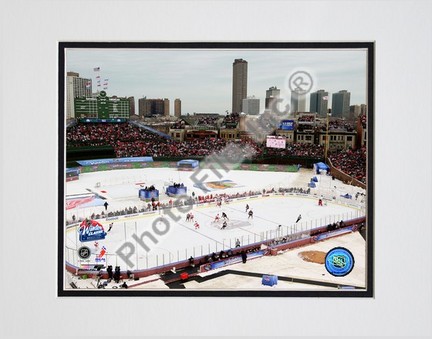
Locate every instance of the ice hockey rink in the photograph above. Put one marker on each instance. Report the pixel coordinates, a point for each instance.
(175, 239)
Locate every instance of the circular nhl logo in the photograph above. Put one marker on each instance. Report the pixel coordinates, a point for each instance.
(84, 252)
(339, 262)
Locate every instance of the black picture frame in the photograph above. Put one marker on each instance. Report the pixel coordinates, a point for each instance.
(368, 46)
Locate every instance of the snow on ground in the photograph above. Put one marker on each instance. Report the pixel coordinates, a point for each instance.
(285, 265)
(289, 264)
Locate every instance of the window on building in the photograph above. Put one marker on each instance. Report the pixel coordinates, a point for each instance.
(349, 138)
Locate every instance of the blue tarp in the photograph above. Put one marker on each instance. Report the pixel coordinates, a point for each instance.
(146, 195)
(320, 166)
(173, 190)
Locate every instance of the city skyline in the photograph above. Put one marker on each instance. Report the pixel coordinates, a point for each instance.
(239, 85)
(202, 79)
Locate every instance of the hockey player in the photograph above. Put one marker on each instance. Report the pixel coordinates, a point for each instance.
(224, 216)
(188, 217)
(250, 214)
(224, 225)
(110, 226)
(196, 225)
(298, 218)
(191, 216)
(247, 207)
(217, 218)
(320, 202)
(219, 202)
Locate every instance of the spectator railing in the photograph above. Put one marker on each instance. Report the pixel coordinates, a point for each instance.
(292, 231)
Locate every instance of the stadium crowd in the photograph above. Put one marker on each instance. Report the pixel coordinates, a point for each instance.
(131, 141)
(178, 125)
(351, 162)
(298, 150)
(338, 124)
(306, 118)
(207, 120)
(363, 120)
(231, 118)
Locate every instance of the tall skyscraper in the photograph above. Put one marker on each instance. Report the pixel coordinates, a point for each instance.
(319, 102)
(153, 107)
(251, 105)
(341, 104)
(166, 107)
(132, 105)
(239, 89)
(355, 111)
(298, 101)
(271, 94)
(76, 87)
(177, 108)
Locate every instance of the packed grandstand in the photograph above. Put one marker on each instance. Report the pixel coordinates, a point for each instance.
(130, 140)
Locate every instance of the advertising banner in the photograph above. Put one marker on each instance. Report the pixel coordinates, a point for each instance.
(287, 125)
(113, 161)
(276, 142)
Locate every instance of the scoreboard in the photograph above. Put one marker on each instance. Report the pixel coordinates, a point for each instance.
(102, 107)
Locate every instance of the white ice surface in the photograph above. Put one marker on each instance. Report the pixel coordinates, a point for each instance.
(180, 239)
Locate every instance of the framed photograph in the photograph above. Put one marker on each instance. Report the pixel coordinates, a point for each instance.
(216, 169)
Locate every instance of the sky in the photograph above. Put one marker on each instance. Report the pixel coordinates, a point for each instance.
(202, 79)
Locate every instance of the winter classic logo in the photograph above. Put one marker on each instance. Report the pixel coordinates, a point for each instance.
(339, 262)
(91, 230)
